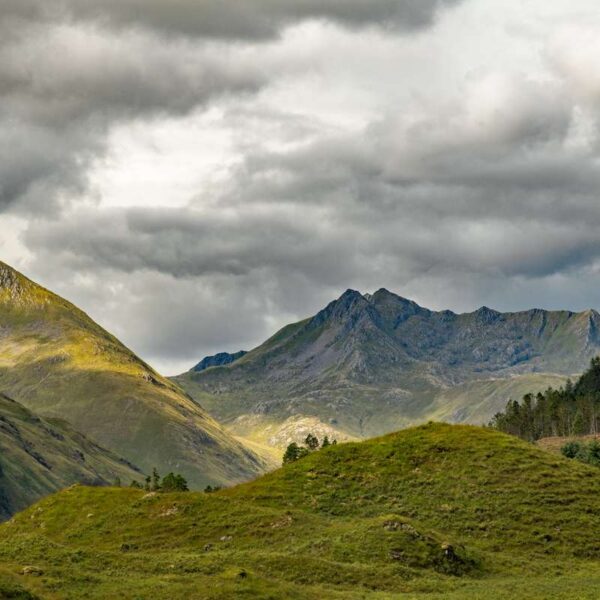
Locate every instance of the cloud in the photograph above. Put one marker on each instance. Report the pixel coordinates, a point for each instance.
(70, 71)
(248, 20)
(62, 88)
(350, 155)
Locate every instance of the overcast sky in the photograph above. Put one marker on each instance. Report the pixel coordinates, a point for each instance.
(196, 175)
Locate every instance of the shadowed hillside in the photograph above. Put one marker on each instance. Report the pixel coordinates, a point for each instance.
(41, 456)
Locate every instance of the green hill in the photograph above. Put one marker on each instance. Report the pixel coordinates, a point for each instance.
(41, 456)
(58, 363)
(436, 512)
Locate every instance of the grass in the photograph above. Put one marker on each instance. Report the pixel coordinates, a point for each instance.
(39, 457)
(433, 512)
(59, 363)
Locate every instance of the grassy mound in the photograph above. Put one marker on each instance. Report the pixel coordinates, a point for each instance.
(438, 511)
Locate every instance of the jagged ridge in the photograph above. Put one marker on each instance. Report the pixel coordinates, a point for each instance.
(374, 363)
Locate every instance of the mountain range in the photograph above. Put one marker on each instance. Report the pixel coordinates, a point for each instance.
(368, 364)
(58, 363)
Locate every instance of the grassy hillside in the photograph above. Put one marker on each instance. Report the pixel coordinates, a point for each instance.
(475, 401)
(439, 511)
(368, 365)
(41, 456)
(56, 361)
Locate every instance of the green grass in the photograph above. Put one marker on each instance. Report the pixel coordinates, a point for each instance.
(42, 456)
(59, 363)
(433, 512)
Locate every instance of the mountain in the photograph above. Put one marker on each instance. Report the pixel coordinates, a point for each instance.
(41, 456)
(218, 360)
(435, 512)
(58, 363)
(369, 364)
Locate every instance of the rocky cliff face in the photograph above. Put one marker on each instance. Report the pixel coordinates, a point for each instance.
(376, 362)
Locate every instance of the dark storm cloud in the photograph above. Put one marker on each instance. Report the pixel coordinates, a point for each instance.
(62, 88)
(72, 69)
(501, 191)
(248, 19)
(484, 192)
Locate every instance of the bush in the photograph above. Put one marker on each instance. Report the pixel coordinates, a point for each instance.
(585, 453)
(572, 449)
(593, 453)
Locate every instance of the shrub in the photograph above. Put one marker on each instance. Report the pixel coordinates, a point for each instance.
(572, 449)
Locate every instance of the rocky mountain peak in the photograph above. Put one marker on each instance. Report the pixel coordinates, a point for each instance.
(9, 278)
(486, 314)
(218, 360)
(12, 283)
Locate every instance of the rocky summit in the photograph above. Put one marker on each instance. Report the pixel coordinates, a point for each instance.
(371, 363)
(218, 360)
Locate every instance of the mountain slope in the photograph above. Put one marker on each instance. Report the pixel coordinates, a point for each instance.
(435, 512)
(370, 364)
(57, 362)
(38, 457)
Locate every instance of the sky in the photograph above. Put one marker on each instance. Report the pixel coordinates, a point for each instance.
(197, 175)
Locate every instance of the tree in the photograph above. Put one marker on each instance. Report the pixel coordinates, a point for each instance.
(593, 453)
(325, 442)
(147, 483)
(136, 485)
(312, 442)
(292, 453)
(570, 410)
(174, 483)
(155, 480)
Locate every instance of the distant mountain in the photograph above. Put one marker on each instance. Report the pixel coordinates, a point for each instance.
(369, 364)
(218, 360)
(58, 363)
(41, 456)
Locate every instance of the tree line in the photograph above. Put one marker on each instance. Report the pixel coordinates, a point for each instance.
(573, 409)
(295, 451)
(172, 482)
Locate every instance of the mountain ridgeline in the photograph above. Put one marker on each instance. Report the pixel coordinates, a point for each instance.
(370, 364)
(58, 363)
(218, 360)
